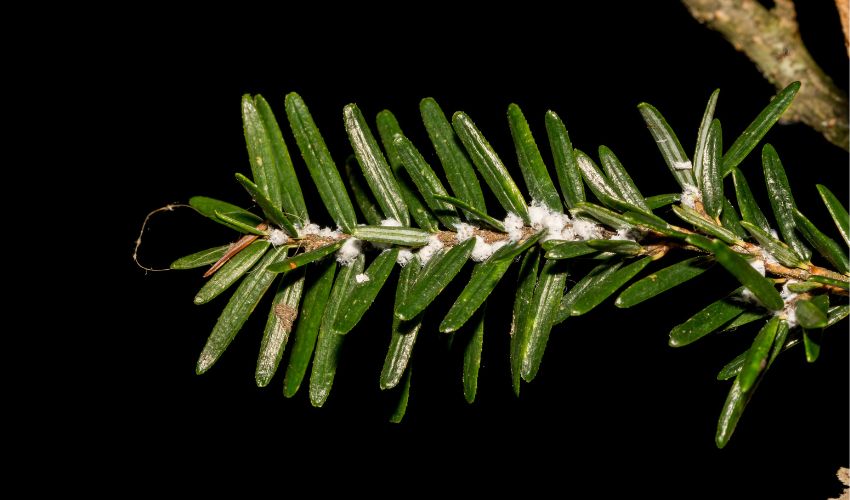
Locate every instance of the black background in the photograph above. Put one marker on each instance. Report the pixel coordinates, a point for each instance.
(613, 411)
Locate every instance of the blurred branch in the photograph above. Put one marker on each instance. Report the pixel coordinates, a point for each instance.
(842, 7)
(843, 473)
(771, 39)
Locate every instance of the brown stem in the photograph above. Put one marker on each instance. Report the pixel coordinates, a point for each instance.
(771, 268)
(659, 245)
(771, 39)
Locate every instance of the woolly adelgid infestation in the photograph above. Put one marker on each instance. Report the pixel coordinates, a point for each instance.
(327, 277)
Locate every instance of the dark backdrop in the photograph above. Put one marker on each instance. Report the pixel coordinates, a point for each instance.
(614, 409)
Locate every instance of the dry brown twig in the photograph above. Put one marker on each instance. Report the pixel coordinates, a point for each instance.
(771, 39)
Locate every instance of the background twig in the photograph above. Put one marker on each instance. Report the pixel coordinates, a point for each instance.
(771, 39)
(842, 7)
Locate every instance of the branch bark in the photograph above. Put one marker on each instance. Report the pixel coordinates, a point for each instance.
(657, 248)
(842, 7)
(771, 39)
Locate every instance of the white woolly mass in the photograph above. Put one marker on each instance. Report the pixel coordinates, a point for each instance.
(554, 222)
(789, 312)
(314, 229)
(390, 222)
(483, 250)
(625, 234)
(349, 251)
(586, 230)
(463, 232)
(568, 233)
(558, 226)
(690, 195)
(758, 265)
(536, 214)
(404, 256)
(425, 253)
(308, 228)
(682, 165)
(768, 257)
(277, 237)
(513, 225)
(746, 294)
(361, 278)
(787, 294)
